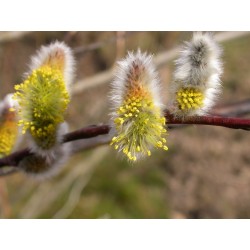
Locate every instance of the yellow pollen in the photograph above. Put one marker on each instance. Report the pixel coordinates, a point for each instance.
(43, 100)
(189, 98)
(140, 126)
(8, 136)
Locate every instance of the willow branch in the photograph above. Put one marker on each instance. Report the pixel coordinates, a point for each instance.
(228, 122)
(93, 131)
(83, 133)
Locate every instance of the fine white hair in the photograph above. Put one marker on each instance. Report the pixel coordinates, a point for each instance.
(56, 50)
(199, 66)
(136, 66)
(52, 152)
(7, 103)
(52, 160)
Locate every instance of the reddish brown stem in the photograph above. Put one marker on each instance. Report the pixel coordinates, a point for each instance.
(228, 122)
(92, 131)
(85, 133)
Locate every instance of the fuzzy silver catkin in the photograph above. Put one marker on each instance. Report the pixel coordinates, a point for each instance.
(51, 54)
(199, 66)
(148, 75)
(44, 165)
(40, 168)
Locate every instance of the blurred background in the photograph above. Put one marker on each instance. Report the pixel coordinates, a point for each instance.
(205, 173)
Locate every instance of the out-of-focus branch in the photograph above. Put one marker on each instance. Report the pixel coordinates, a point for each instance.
(97, 45)
(12, 35)
(11, 170)
(96, 80)
(93, 46)
(237, 109)
(93, 131)
(120, 44)
(160, 60)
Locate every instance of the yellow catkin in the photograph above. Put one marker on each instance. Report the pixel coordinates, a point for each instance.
(139, 124)
(43, 100)
(189, 99)
(8, 133)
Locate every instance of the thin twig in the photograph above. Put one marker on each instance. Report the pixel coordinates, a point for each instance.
(235, 109)
(228, 122)
(93, 46)
(93, 131)
(97, 45)
(11, 170)
(83, 133)
(12, 35)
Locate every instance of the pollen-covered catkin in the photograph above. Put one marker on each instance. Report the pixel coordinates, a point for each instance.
(136, 107)
(196, 84)
(8, 126)
(44, 95)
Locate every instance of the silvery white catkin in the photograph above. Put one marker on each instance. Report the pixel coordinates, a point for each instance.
(146, 73)
(199, 67)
